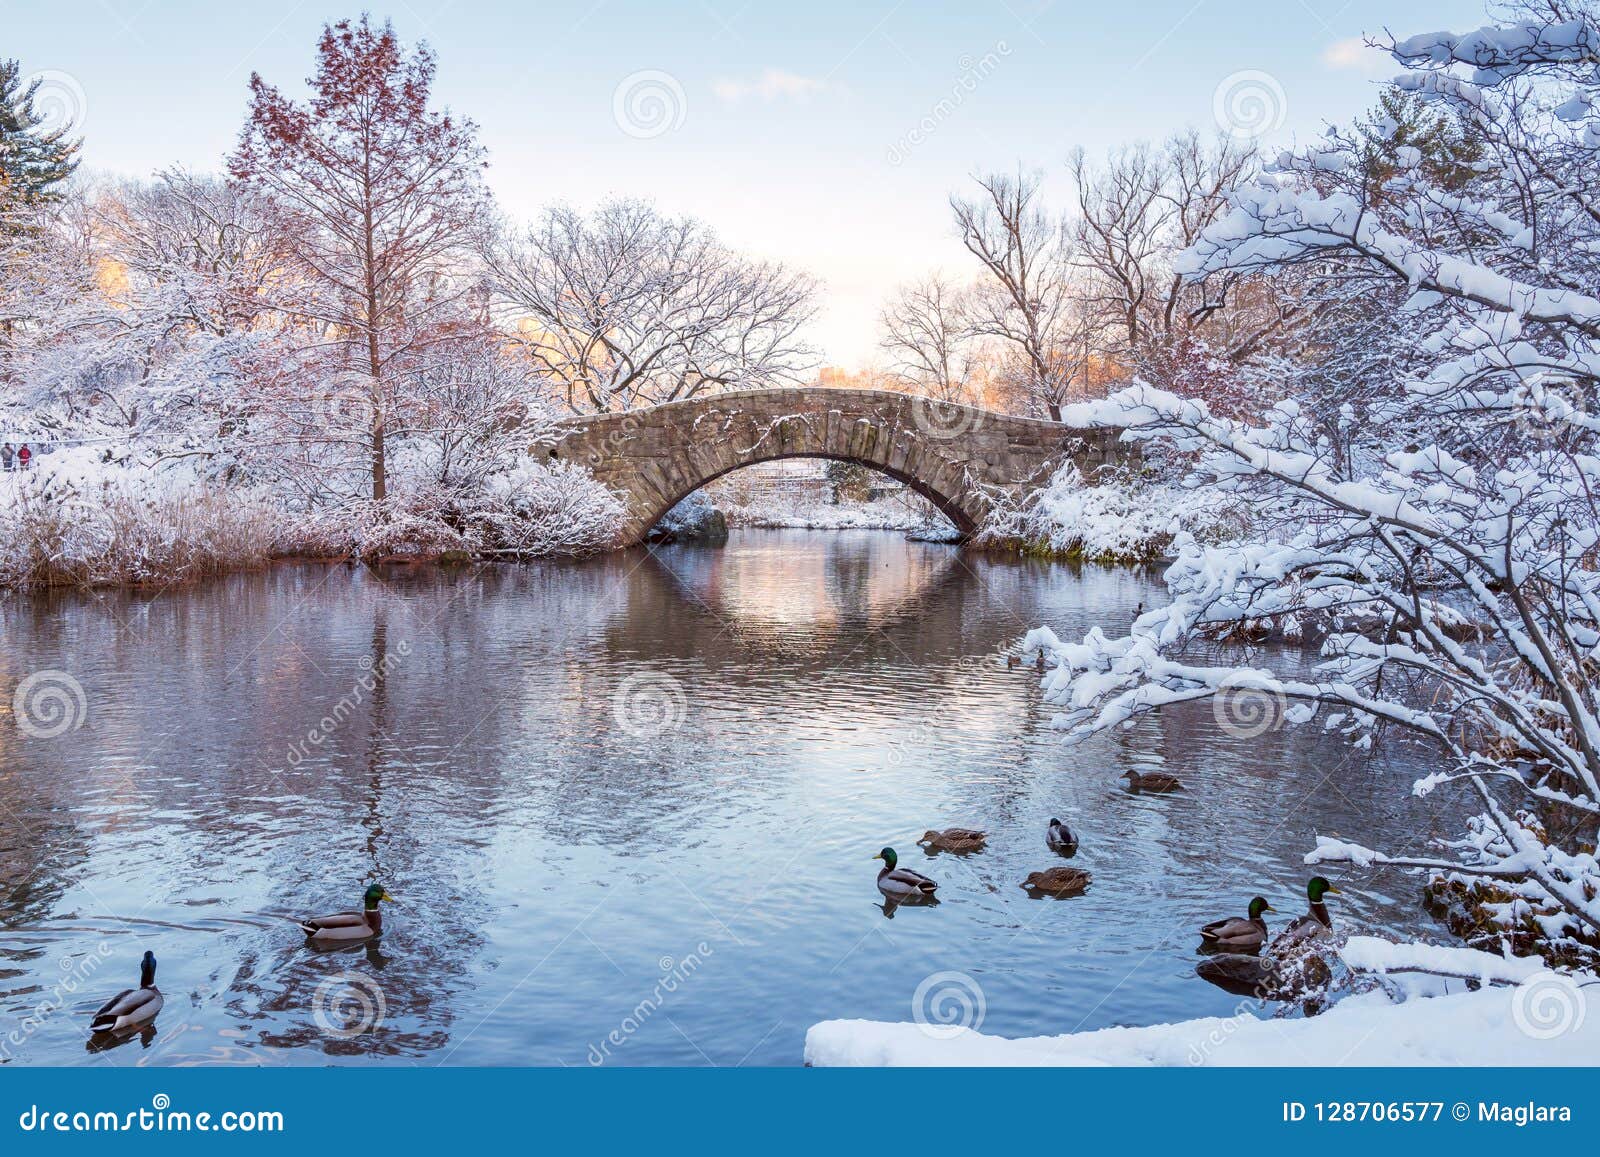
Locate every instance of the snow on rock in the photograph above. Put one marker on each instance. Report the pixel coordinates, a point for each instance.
(1470, 1028)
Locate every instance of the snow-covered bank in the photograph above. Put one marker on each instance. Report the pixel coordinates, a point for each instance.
(1467, 1028)
(887, 514)
(1112, 522)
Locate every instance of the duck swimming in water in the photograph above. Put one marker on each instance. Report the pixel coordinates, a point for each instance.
(954, 840)
(1239, 935)
(901, 882)
(1059, 838)
(342, 926)
(132, 1008)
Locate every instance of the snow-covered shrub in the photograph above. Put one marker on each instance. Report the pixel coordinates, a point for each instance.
(532, 510)
(411, 525)
(1120, 520)
(545, 509)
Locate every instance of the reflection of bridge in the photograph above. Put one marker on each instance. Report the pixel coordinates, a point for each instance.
(958, 457)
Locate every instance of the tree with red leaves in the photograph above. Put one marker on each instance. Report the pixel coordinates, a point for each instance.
(381, 192)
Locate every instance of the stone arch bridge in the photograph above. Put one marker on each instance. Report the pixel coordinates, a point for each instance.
(958, 457)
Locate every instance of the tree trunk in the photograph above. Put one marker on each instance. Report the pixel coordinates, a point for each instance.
(380, 479)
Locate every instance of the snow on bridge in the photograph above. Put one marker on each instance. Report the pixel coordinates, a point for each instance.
(958, 457)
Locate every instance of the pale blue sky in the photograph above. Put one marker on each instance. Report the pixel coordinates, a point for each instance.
(793, 132)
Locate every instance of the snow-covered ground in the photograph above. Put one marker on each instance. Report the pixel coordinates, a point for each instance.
(1465, 1028)
(1423, 1015)
(885, 514)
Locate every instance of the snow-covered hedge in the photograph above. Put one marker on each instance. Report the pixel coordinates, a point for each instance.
(78, 520)
(1117, 521)
(532, 510)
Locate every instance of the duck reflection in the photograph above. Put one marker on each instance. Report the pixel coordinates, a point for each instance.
(102, 1042)
(892, 904)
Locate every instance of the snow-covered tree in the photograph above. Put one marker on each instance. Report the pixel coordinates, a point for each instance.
(1025, 299)
(625, 308)
(380, 194)
(36, 155)
(1454, 580)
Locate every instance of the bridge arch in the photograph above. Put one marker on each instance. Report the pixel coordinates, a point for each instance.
(958, 457)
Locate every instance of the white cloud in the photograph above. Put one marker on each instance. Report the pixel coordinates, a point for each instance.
(1353, 55)
(773, 84)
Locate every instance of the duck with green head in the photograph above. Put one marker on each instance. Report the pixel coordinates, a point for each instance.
(350, 925)
(1239, 935)
(132, 1008)
(1316, 921)
(901, 882)
(1285, 966)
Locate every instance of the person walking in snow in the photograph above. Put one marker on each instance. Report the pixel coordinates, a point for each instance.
(24, 457)
(7, 457)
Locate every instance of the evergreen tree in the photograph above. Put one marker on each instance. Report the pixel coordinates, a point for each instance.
(34, 160)
(1404, 120)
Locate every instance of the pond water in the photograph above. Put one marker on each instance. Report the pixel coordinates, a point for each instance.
(627, 808)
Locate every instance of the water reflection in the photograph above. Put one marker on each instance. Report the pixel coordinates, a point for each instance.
(262, 748)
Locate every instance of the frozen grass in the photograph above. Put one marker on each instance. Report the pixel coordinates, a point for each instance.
(119, 533)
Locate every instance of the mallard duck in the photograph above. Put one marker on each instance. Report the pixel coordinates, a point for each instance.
(954, 840)
(1013, 662)
(1236, 935)
(902, 882)
(1316, 922)
(1038, 661)
(1288, 966)
(132, 1008)
(1058, 881)
(1058, 837)
(1152, 781)
(350, 925)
